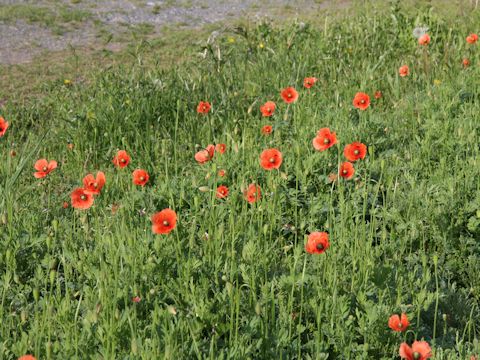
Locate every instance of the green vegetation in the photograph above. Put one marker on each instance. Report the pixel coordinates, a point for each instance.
(233, 280)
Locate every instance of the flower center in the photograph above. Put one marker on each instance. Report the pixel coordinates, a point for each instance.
(271, 160)
(356, 151)
(142, 178)
(95, 185)
(344, 172)
(326, 141)
(289, 95)
(400, 325)
(416, 355)
(320, 247)
(45, 168)
(123, 160)
(83, 197)
(362, 101)
(165, 223)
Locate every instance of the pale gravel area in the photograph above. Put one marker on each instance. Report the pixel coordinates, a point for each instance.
(20, 41)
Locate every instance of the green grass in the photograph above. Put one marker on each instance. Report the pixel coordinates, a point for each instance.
(405, 233)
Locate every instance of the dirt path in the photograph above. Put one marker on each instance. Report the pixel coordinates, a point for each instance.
(30, 28)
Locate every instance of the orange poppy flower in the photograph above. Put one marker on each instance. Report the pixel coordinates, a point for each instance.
(44, 168)
(121, 159)
(222, 192)
(164, 221)
(3, 126)
(271, 159)
(136, 299)
(398, 323)
(324, 139)
(267, 129)
(221, 148)
(81, 199)
(203, 107)
(140, 177)
(93, 185)
(317, 243)
(253, 193)
(355, 151)
(378, 94)
(472, 38)
(289, 95)
(206, 154)
(420, 350)
(222, 173)
(268, 108)
(424, 39)
(308, 82)
(346, 170)
(404, 71)
(466, 63)
(361, 101)
(27, 357)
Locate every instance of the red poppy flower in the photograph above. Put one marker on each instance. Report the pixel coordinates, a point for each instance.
(346, 170)
(289, 95)
(136, 299)
(44, 168)
(93, 185)
(81, 199)
(27, 357)
(222, 192)
(222, 173)
(324, 139)
(140, 177)
(203, 107)
(268, 108)
(420, 350)
(252, 193)
(221, 148)
(355, 151)
(164, 221)
(308, 82)
(361, 101)
(271, 159)
(3, 126)
(466, 63)
(317, 243)
(206, 154)
(378, 94)
(121, 159)
(65, 205)
(404, 71)
(424, 39)
(398, 323)
(267, 129)
(472, 38)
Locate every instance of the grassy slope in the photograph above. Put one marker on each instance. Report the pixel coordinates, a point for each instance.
(249, 290)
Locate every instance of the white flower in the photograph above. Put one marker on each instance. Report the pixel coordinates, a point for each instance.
(419, 31)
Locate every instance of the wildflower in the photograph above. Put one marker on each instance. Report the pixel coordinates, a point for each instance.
(271, 159)
(346, 170)
(466, 62)
(140, 177)
(289, 95)
(420, 350)
(70, 146)
(267, 129)
(222, 192)
(378, 94)
(308, 82)
(361, 101)
(222, 173)
(261, 45)
(437, 82)
(252, 193)
(398, 323)
(164, 222)
(206, 154)
(355, 151)
(317, 243)
(136, 299)
(44, 168)
(203, 107)
(221, 148)
(67, 82)
(122, 159)
(3, 126)
(332, 177)
(81, 199)
(268, 108)
(424, 39)
(404, 71)
(65, 205)
(231, 40)
(93, 185)
(324, 139)
(472, 38)
(27, 357)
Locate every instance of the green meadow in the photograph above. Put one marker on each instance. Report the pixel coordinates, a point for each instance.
(233, 279)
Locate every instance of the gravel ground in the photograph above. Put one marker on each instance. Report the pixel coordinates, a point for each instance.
(21, 41)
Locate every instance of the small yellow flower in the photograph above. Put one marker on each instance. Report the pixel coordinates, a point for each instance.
(231, 40)
(437, 82)
(67, 82)
(261, 45)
